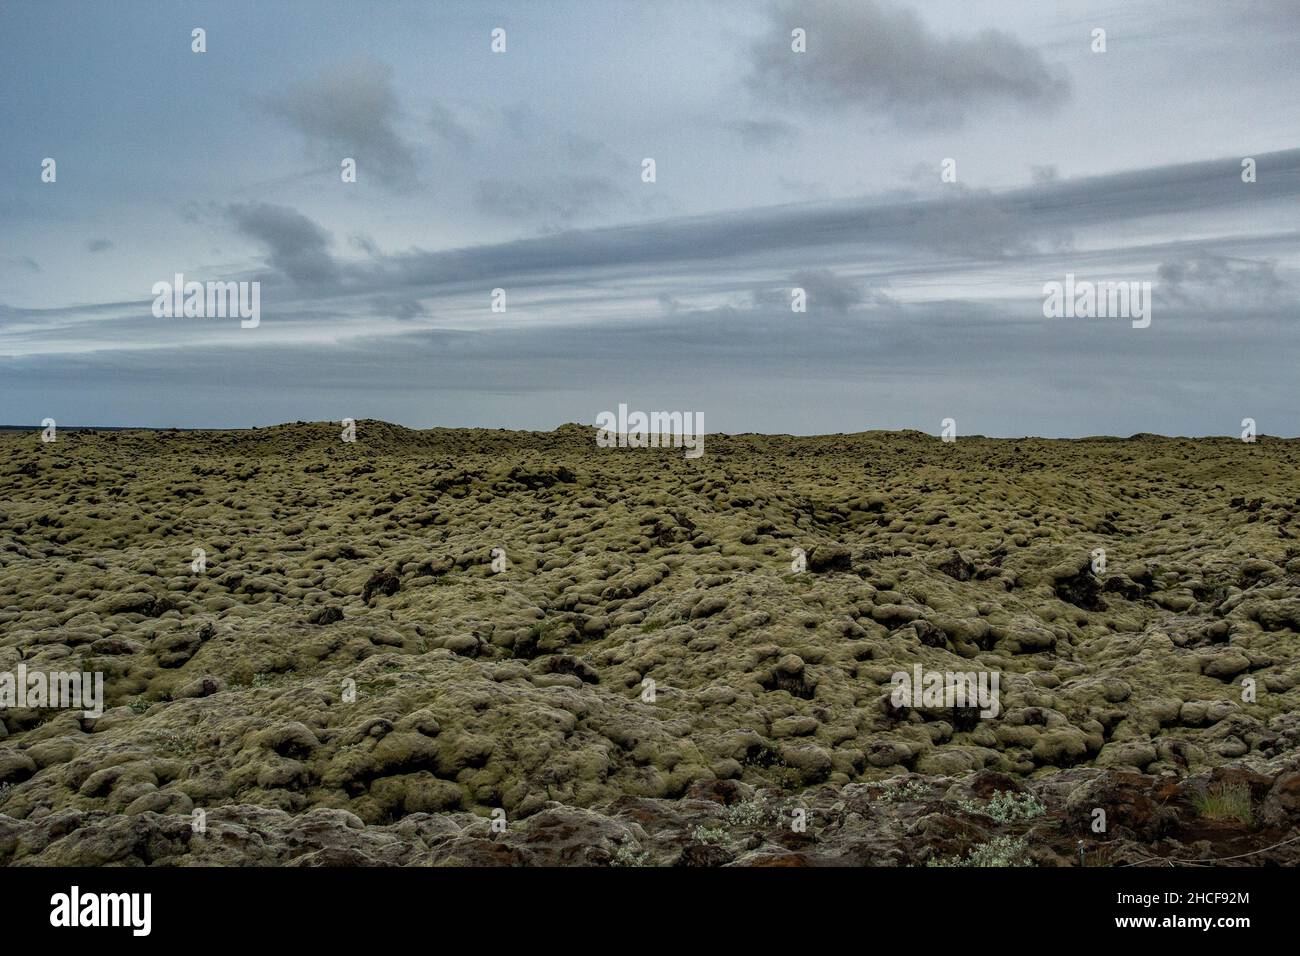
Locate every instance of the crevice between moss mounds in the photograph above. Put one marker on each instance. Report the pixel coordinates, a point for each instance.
(789, 675)
(384, 583)
(542, 476)
(329, 614)
(957, 567)
(825, 558)
(1081, 588)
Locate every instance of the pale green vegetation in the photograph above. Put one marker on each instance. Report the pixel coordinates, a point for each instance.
(1007, 807)
(1001, 851)
(1224, 801)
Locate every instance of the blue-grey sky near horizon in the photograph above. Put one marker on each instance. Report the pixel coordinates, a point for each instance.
(522, 170)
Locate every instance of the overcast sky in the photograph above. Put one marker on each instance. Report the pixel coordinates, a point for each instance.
(774, 170)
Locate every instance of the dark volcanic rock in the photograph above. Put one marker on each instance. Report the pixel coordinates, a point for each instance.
(1082, 589)
(383, 583)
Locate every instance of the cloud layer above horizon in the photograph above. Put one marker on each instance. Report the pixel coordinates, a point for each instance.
(774, 171)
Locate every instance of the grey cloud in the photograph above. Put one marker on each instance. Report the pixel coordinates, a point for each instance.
(315, 174)
(763, 133)
(1181, 188)
(836, 293)
(965, 225)
(520, 119)
(365, 244)
(554, 203)
(825, 290)
(671, 266)
(20, 262)
(98, 245)
(398, 307)
(1041, 175)
(351, 109)
(449, 130)
(585, 149)
(296, 246)
(584, 187)
(1222, 284)
(923, 173)
(880, 57)
(925, 362)
(803, 188)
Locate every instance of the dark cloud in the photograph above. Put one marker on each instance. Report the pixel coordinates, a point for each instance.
(1223, 284)
(825, 291)
(296, 246)
(959, 225)
(98, 245)
(350, 110)
(876, 56)
(839, 294)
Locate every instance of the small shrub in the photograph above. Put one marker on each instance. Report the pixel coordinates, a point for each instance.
(174, 744)
(768, 761)
(748, 814)
(627, 855)
(1007, 807)
(912, 790)
(1224, 801)
(1099, 855)
(1001, 851)
(705, 834)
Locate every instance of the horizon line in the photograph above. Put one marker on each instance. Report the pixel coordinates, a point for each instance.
(534, 431)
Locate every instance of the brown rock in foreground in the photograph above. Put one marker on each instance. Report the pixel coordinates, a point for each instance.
(905, 821)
